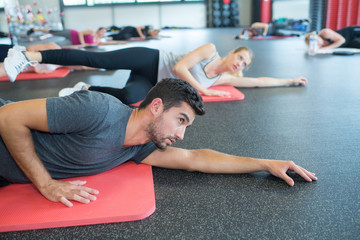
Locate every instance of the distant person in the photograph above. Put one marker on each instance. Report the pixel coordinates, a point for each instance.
(274, 28)
(260, 29)
(85, 38)
(128, 32)
(348, 37)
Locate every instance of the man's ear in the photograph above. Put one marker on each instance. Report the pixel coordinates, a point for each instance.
(156, 106)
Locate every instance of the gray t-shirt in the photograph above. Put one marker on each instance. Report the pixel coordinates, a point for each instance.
(87, 132)
(167, 61)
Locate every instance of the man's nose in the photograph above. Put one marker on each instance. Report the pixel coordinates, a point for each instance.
(180, 133)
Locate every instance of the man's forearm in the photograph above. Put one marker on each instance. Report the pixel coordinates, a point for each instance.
(210, 161)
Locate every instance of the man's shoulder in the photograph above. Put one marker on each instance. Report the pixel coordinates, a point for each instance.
(89, 98)
(97, 96)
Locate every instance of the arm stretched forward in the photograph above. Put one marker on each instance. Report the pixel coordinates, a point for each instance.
(209, 161)
(239, 81)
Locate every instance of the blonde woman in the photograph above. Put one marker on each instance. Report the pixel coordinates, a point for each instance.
(202, 68)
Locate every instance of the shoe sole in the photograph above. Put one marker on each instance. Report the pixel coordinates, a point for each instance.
(10, 78)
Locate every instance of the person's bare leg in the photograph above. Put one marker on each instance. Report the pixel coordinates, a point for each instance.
(2, 70)
(34, 56)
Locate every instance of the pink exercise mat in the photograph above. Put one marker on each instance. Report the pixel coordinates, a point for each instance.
(58, 73)
(126, 194)
(235, 95)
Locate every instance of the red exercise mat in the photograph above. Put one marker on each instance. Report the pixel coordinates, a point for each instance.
(126, 194)
(58, 73)
(234, 95)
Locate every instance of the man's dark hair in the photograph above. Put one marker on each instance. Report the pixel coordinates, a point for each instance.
(173, 92)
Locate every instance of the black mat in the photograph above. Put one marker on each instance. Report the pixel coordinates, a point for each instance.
(316, 126)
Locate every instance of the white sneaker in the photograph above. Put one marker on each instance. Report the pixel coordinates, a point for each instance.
(16, 48)
(81, 86)
(15, 63)
(67, 91)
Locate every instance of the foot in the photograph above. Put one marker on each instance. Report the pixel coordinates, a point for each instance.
(16, 48)
(15, 62)
(79, 86)
(19, 48)
(67, 91)
(2, 70)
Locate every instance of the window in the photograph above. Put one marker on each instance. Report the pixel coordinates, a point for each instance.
(107, 2)
(141, 1)
(74, 2)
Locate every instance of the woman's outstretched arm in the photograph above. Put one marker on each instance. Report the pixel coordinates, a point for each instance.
(237, 81)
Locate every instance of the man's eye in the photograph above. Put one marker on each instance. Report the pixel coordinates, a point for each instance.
(181, 120)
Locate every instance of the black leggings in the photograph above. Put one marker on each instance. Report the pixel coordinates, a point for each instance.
(4, 182)
(351, 35)
(143, 63)
(64, 33)
(4, 48)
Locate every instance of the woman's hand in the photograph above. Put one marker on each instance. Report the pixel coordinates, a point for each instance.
(299, 81)
(210, 92)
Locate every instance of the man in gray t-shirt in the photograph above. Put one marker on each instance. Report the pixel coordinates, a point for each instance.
(92, 146)
(88, 133)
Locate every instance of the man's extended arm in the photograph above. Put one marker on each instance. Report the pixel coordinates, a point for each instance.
(209, 161)
(16, 121)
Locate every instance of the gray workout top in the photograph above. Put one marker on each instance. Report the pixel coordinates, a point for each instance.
(167, 61)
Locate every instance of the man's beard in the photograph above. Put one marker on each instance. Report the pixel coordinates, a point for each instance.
(153, 131)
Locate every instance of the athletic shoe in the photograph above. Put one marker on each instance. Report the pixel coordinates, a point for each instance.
(67, 91)
(81, 86)
(15, 62)
(16, 48)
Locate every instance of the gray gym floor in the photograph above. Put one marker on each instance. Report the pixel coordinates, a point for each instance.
(317, 126)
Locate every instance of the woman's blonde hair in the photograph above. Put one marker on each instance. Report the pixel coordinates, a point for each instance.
(251, 54)
(307, 38)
